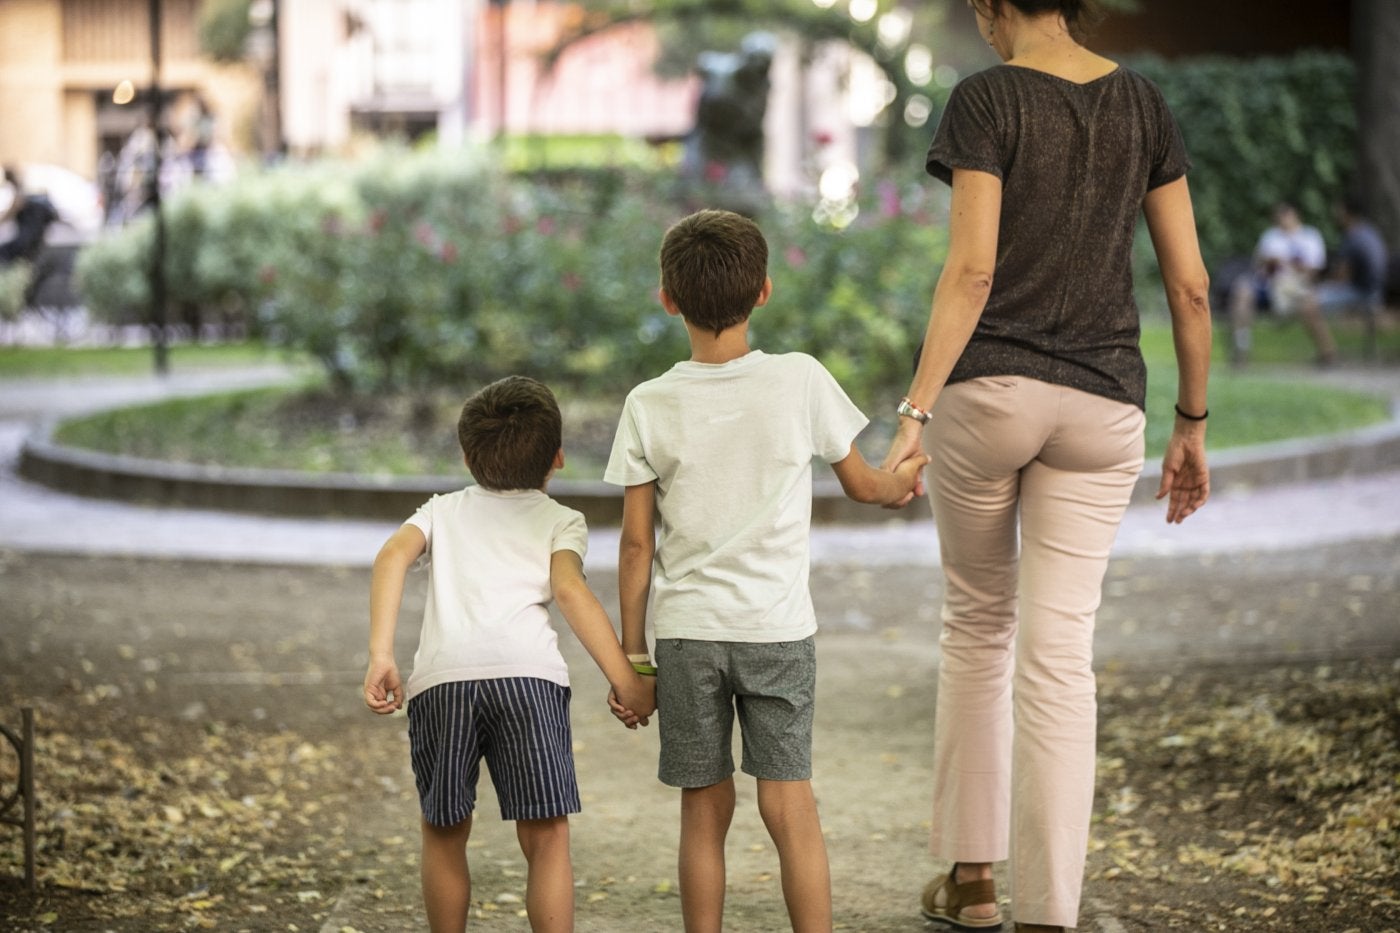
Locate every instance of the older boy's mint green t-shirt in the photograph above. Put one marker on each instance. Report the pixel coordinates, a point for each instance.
(730, 447)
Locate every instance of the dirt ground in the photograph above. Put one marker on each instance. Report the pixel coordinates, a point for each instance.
(205, 761)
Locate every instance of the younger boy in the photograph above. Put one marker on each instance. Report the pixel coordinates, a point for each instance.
(488, 679)
(720, 448)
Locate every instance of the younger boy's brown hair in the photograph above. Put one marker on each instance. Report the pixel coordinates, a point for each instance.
(713, 266)
(510, 432)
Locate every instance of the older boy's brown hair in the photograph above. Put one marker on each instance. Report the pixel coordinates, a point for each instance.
(510, 432)
(713, 266)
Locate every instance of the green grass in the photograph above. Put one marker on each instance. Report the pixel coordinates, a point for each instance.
(66, 362)
(1256, 405)
(307, 428)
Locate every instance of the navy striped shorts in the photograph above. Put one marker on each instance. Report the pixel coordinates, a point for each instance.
(520, 725)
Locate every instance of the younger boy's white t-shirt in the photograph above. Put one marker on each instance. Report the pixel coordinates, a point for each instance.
(730, 447)
(489, 590)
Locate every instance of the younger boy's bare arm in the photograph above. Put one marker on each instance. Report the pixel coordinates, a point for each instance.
(383, 688)
(864, 483)
(636, 549)
(595, 632)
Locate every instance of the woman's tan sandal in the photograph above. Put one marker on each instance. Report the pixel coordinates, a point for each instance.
(945, 900)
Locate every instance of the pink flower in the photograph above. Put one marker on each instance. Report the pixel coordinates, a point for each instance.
(889, 199)
(715, 172)
(449, 252)
(377, 220)
(795, 257)
(424, 233)
(823, 137)
(546, 226)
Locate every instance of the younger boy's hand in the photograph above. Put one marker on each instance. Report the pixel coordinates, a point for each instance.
(383, 689)
(623, 715)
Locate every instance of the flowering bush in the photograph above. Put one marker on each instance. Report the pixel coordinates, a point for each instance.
(14, 279)
(410, 271)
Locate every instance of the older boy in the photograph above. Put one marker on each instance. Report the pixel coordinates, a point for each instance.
(488, 679)
(720, 448)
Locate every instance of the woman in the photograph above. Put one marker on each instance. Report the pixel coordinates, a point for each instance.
(1029, 397)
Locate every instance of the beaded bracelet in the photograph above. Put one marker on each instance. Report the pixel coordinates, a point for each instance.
(1200, 417)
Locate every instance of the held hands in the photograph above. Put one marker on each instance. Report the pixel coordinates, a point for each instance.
(907, 460)
(635, 706)
(383, 689)
(1185, 476)
(911, 476)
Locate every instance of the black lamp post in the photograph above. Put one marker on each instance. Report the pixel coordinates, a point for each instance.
(158, 310)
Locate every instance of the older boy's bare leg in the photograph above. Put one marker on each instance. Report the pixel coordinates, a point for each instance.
(447, 882)
(789, 811)
(706, 813)
(549, 887)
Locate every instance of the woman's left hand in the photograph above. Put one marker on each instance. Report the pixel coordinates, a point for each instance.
(906, 443)
(1185, 476)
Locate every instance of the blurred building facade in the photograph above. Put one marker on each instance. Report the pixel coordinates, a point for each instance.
(332, 71)
(473, 69)
(62, 63)
(344, 69)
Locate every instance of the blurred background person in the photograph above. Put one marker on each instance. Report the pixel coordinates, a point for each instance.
(1287, 261)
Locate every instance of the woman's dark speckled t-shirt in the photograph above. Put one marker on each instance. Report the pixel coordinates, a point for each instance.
(1075, 162)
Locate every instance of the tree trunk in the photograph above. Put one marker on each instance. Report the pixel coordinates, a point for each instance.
(1375, 37)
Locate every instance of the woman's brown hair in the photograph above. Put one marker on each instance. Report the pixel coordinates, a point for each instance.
(1081, 16)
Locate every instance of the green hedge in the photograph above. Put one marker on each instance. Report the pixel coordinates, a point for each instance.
(14, 279)
(1260, 131)
(415, 270)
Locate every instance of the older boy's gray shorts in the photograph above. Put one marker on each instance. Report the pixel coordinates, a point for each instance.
(700, 685)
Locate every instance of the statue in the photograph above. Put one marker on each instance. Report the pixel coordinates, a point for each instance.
(724, 152)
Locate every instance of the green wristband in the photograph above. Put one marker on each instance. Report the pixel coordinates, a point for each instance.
(646, 670)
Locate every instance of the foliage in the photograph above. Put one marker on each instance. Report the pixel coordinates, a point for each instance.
(14, 279)
(856, 297)
(690, 26)
(600, 152)
(1260, 131)
(414, 270)
(223, 29)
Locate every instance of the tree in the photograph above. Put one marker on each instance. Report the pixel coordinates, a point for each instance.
(701, 21)
(702, 24)
(223, 30)
(1375, 36)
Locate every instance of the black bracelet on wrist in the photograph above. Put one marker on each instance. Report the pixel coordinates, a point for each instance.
(1201, 417)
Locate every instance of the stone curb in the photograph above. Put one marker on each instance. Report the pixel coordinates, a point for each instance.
(293, 493)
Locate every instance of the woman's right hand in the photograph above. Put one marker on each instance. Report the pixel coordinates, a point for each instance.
(1185, 476)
